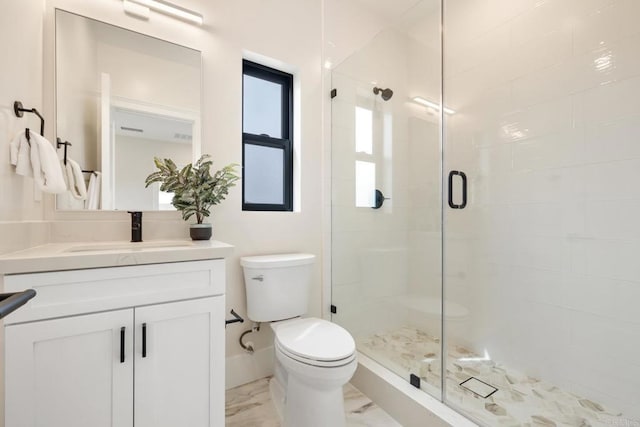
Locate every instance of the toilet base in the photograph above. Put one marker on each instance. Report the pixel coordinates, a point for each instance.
(309, 407)
(309, 396)
(306, 406)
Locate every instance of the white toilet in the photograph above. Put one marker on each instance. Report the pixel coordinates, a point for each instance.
(314, 357)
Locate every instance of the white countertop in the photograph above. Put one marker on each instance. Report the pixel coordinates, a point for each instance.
(80, 255)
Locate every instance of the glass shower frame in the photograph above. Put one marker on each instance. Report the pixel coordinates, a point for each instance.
(386, 201)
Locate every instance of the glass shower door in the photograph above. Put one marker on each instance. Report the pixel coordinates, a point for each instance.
(386, 212)
(541, 277)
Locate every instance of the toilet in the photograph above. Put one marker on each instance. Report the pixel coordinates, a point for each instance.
(314, 357)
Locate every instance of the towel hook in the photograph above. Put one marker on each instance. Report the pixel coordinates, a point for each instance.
(66, 144)
(19, 111)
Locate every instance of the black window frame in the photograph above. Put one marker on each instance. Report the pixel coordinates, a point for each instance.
(285, 143)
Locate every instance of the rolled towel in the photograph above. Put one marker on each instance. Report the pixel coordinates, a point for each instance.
(93, 194)
(20, 154)
(74, 179)
(47, 172)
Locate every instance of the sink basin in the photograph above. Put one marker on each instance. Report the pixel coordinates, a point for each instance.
(129, 246)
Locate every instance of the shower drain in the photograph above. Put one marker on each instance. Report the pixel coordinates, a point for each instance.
(478, 387)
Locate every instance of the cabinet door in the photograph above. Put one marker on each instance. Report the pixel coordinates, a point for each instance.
(180, 379)
(68, 372)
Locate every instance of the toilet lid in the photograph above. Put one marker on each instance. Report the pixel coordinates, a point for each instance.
(313, 362)
(315, 339)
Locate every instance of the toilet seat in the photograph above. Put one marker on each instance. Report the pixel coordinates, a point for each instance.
(315, 362)
(315, 342)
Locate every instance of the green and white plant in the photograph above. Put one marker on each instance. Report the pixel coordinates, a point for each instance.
(194, 188)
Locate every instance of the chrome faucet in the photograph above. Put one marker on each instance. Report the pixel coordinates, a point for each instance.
(136, 226)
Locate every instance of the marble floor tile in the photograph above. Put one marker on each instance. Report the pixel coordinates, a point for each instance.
(249, 405)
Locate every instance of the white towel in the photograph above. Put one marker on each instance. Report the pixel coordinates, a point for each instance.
(47, 172)
(20, 154)
(93, 194)
(74, 179)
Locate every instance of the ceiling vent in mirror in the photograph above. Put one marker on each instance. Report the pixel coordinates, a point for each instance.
(131, 129)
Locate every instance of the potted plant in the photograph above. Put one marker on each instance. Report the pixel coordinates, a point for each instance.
(195, 189)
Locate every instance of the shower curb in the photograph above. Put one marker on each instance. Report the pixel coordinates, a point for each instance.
(406, 404)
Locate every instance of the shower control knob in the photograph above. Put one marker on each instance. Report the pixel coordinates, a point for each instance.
(379, 200)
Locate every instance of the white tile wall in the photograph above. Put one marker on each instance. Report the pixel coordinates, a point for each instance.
(546, 255)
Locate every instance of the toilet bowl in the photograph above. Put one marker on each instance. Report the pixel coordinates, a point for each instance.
(314, 358)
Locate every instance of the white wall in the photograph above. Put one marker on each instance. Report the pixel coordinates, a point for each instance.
(21, 46)
(546, 254)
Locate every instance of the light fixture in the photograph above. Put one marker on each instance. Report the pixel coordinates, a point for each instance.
(135, 9)
(426, 102)
(173, 10)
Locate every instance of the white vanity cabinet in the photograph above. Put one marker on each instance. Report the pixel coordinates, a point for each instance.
(117, 347)
(176, 379)
(67, 372)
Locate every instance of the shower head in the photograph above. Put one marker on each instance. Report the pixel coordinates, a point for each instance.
(386, 94)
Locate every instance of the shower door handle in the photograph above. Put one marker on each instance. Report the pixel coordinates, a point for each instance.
(462, 175)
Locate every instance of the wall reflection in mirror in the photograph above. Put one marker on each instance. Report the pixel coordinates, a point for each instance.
(122, 98)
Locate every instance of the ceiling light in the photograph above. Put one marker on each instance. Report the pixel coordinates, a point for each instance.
(135, 9)
(426, 102)
(171, 9)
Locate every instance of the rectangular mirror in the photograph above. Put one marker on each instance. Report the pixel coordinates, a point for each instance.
(121, 98)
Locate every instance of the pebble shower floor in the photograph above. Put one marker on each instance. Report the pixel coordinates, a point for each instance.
(521, 400)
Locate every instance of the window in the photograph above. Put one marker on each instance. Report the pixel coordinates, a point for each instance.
(267, 146)
(365, 168)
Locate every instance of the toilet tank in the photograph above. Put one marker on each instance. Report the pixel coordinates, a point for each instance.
(277, 286)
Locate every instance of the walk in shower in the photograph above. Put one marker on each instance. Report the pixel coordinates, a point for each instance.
(489, 253)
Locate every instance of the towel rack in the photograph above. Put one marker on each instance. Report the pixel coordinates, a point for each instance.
(66, 144)
(19, 111)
